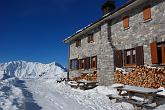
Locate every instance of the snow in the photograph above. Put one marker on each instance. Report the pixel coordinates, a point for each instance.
(80, 30)
(63, 97)
(23, 69)
(123, 70)
(11, 97)
(163, 91)
(33, 86)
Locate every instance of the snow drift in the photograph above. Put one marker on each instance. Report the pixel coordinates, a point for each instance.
(23, 70)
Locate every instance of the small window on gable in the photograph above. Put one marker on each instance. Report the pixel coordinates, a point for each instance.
(90, 38)
(78, 43)
(126, 22)
(147, 13)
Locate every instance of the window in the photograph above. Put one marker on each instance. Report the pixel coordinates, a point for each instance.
(130, 57)
(147, 13)
(158, 53)
(94, 62)
(81, 64)
(90, 38)
(126, 22)
(87, 63)
(74, 64)
(78, 42)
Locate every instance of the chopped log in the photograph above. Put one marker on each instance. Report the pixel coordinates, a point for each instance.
(142, 76)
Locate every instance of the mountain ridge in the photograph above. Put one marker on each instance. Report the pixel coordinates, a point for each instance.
(24, 69)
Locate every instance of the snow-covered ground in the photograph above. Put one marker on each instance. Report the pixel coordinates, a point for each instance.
(33, 86)
(53, 96)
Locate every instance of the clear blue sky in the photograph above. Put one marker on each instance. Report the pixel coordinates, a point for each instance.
(33, 30)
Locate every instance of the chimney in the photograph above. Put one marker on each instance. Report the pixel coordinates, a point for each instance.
(108, 7)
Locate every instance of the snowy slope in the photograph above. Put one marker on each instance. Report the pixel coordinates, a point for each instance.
(23, 69)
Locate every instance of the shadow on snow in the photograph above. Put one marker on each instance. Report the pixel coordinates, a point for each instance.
(29, 102)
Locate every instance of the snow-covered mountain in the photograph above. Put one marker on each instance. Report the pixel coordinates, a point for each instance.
(23, 69)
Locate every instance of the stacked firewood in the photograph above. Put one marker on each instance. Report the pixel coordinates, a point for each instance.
(86, 76)
(142, 76)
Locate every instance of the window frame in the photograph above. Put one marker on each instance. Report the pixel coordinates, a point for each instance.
(131, 64)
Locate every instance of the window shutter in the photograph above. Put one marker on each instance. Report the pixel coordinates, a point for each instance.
(125, 58)
(118, 57)
(139, 56)
(87, 63)
(83, 64)
(163, 53)
(77, 61)
(70, 64)
(154, 53)
(76, 43)
(147, 13)
(80, 64)
(88, 39)
(126, 22)
(95, 61)
(92, 38)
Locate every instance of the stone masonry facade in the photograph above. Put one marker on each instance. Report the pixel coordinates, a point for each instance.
(139, 33)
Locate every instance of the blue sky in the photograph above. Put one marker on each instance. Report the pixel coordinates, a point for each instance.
(34, 30)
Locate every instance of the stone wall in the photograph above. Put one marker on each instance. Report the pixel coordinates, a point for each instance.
(140, 32)
(85, 50)
(105, 58)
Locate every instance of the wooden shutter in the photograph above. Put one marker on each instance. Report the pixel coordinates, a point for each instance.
(71, 64)
(88, 39)
(118, 57)
(163, 53)
(77, 61)
(94, 62)
(126, 22)
(87, 63)
(154, 53)
(78, 43)
(92, 38)
(125, 57)
(80, 64)
(147, 13)
(139, 56)
(83, 63)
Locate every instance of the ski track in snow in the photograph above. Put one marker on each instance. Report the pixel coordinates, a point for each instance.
(51, 99)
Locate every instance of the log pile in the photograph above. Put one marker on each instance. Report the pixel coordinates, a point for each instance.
(142, 76)
(86, 76)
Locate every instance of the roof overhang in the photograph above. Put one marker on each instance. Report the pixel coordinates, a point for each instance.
(129, 5)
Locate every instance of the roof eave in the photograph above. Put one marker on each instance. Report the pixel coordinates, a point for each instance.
(105, 18)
